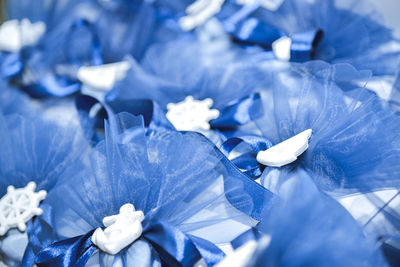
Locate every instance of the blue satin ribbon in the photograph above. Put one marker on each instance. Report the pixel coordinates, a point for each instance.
(174, 248)
(11, 64)
(304, 44)
(96, 58)
(247, 161)
(240, 112)
(53, 85)
(249, 235)
(250, 31)
(240, 190)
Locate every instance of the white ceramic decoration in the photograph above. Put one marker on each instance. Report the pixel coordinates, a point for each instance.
(15, 34)
(272, 5)
(103, 77)
(192, 115)
(199, 12)
(285, 152)
(121, 230)
(18, 206)
(281, 48)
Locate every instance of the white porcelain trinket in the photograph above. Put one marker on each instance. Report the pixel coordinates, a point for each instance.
(103, 77)
(285, 152)
(192, 115)
(16, 34)
(18, 206)
(121, 230)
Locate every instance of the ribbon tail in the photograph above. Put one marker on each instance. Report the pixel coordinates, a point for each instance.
(72, 252)
(11, 64)
(251, 234)
(176, 248)
(209, 252)
(243, 111)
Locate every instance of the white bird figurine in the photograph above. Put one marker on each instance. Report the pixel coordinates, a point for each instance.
(285, 152)
(103, 77)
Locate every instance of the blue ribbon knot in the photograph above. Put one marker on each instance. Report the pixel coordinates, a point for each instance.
(174, 248)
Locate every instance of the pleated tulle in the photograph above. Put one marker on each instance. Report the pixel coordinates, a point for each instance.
(308, 228)
(170, 72)
(354, 144)
(13, 101)
(34, 150)
(353, 31)
(172, 177)
(49, 12)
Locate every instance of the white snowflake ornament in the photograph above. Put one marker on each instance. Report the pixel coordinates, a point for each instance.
(18, 206)
(192, 115)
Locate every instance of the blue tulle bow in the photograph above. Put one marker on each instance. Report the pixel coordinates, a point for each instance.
(55, 85)
(250, 31)
(174, 248)
(247, 161)
(240, 112)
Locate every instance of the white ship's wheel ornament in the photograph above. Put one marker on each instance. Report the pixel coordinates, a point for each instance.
(192, 115)
(18, 206)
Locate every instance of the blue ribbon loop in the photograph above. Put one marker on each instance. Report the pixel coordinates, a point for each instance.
(11, 64)
(247, 161)
(174, 248)
(96, 57)
(304, 44)
(250, 31)
(240, 112)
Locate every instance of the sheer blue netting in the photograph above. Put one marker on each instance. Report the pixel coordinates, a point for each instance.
(34, 150)
(308, 228)
(353, 31)
(174, 177)
(354, 144)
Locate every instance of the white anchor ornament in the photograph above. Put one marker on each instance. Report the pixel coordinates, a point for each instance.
(121, 230)
(18, 206)
(15, 34)
(192, 115)
(285, 152)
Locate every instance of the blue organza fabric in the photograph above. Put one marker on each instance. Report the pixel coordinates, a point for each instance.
(298, 223)
(176, 178)
(347, 126)
(352, 31)
(96, 144)
(33, 150)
